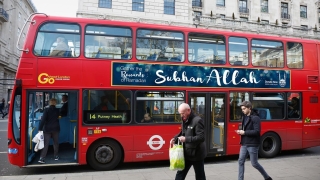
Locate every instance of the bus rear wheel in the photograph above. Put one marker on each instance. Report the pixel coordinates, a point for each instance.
(270, 145)
(104, 154)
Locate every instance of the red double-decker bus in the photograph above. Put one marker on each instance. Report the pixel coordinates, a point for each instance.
(125, 81)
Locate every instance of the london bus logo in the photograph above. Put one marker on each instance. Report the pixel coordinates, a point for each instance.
(137, 74)
(45, 78)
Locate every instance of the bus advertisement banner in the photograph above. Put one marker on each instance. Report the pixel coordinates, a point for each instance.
(136, 74)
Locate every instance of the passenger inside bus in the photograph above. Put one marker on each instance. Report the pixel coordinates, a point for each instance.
(146, 118)
(294, 108)
(64, 108)
(103, 104)
(61, 49)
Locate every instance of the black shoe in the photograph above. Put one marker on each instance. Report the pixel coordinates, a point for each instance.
(269, 178)
(41, 160)
(56, 158)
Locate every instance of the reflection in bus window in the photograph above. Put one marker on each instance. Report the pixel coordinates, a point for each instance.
(267, 53)
(205, 48)
(236, 98)
(238, 51)
(294, 105)
(161, 106)
(269, 105)
(108, 42)
(107, 101)
(156, 45)
(294, 55)
(58, 39)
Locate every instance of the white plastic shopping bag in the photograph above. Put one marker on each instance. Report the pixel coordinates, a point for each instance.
(176, 157)
(39, 139)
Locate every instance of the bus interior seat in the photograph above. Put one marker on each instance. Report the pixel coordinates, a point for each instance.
(152, 56)
(177, 58)
(218, 62)
(264, 113)
(125, 56)
(67, 54)
(237, 63)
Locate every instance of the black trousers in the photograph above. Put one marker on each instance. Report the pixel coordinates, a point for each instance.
(47, 137)
(198, 167)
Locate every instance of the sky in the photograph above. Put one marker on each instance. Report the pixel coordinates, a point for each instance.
(57, 7)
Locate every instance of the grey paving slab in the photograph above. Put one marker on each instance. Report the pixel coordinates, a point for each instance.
(296, 168)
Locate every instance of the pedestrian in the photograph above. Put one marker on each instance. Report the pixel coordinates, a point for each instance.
(50, 126)
(3, 108)
(250, 140)
(192, 135)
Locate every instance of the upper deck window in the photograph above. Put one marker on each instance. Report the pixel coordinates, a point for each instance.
(294, 55)
(156, 45)
(58, 39)
(108, 42)
(207, 48)
(238, 51)
(267, 53)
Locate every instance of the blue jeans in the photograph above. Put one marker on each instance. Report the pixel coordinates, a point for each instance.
(198, 167)
(253, 152)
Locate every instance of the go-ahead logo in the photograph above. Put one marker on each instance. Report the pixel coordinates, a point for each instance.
(44, 78)
(160, 142)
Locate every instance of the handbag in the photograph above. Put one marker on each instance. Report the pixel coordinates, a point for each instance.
(176, 156)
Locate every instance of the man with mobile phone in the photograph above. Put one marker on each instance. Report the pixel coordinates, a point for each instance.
(250, 140)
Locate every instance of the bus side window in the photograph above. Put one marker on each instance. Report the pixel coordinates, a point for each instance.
(53, 41)
(294, 109)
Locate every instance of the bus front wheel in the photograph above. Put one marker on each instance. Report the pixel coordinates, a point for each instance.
(270, 145)
(104, 154)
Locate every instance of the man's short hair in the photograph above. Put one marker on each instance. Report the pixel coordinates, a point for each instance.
(66, 96)
(246, 104)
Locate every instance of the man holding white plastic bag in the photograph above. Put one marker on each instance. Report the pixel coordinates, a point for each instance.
(192, 135)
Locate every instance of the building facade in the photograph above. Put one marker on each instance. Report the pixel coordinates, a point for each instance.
(13, 14)
(296, 18)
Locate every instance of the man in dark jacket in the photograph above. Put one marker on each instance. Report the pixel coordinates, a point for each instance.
(64, 108)
(50, 126)
(250, 140)
(192, 134)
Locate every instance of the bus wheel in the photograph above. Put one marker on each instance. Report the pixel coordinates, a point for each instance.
(104, 154)
(270, 145)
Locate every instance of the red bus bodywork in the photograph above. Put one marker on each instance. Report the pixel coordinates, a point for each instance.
(132, 138)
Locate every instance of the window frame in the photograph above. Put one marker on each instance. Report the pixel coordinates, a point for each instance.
(105, 4)
(136, 4)
(162, 38)
(105, 35)
(265, 6)
(252, 47)
(162, 108)
(203, 35)
(303, 11)
(221, 3)
(248, 59)
(287, 50)
(166, 6)
(58, 32)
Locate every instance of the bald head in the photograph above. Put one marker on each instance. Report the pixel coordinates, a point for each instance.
(184, 111)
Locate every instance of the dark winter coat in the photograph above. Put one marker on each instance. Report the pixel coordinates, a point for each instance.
(50, 120)
(252, 130)
(194, 131)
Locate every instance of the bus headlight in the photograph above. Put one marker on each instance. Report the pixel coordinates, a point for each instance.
(12, 150)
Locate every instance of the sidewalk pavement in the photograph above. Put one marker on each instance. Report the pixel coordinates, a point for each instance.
(294, 168)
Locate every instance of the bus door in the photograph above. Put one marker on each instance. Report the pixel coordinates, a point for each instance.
(38, 101)
(211, 108)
